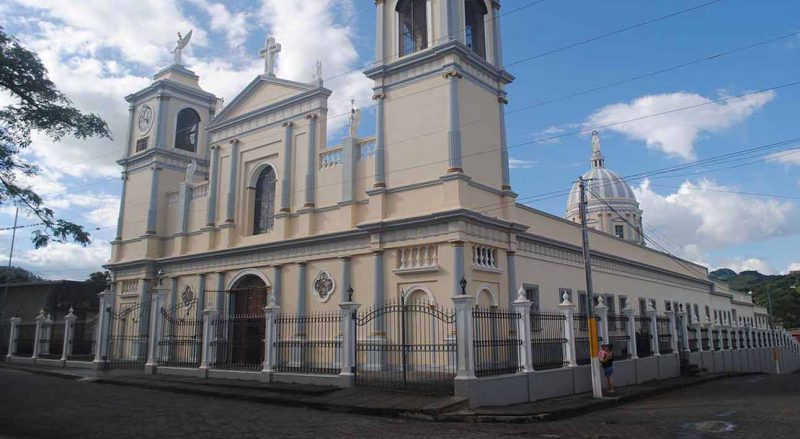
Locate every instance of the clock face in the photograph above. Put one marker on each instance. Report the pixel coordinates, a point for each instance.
(145, 119)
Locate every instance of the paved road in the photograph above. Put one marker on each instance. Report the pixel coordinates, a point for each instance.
(39, 406)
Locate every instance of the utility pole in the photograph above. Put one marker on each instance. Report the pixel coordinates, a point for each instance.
(597, 386)
(776, 353)
(4, 302)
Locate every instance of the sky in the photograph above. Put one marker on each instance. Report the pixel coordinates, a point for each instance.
(666, 83)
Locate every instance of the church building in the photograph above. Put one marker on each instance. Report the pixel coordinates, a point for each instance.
(248, 203)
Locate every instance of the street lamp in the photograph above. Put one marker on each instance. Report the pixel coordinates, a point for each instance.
(463, 284)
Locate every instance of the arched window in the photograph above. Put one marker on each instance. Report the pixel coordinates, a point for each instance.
(474, 12)
(187, 130)
(413, 25)
(264, 217)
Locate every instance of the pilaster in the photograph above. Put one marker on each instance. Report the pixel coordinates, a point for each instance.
(568, 310)
(213, 183)
(464, 303)
(230, 207)
(152, 209)
(121, 216)
(380, 140)
(161, 123)
(458, 265)
(454, 124)
(346, 278)
(286, 172)
(512, 274)
(380, 36)
(311, 170)
(277, 284)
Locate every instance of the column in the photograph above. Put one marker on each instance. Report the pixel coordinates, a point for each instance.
(161, 122)
(378, 285)
(498, 42)
(630, 328)
(271, 313)
(651, 313)
(152, 209)
(185, 197)
(348, 348)
(348, 169)
(444, 22)
(154, 341)
(522, 306)
(38, 334)
(504, 167)
(454, 124)
(302, 293)
(131, 130)
(311, 170)
(232, 182)
(346, 282)
(277, 284)
(380, 141)
(512, 275)
(454, 30)
(12, 336)
(103, 328)
(464, 303)
(286, 172)
(380, 37)
(213, 182)
(205, 353)
(601, 311)
(684, 328)
(220, 296)
(458, 265)
(568, 310)
(121, 216)
(69, 328)
(698, 333)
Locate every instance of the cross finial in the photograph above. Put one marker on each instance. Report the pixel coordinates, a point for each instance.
(270, 53)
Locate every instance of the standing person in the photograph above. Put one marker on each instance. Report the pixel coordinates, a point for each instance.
(607, 362)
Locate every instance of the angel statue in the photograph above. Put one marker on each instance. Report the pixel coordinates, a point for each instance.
(355, 118)
(182, 43)
(317, 76)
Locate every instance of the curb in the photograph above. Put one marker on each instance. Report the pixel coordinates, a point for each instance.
(34, 371)
(589, 407)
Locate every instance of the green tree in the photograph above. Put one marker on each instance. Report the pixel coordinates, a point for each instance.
(39, 106)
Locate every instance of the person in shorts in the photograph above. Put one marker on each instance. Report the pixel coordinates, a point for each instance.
(607, 362)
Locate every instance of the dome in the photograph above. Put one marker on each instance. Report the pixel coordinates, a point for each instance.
(604, 184)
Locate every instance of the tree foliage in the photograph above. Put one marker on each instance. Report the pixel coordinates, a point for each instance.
(39, 106)
(785, 299)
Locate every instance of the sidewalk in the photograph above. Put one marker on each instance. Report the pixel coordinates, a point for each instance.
(372, 401)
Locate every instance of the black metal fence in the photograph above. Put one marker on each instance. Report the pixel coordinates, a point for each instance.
(726, 344)
(705, 341)
(618, 336)
(83, 340)
(238, 342)
(406, 346)
(663, 326)
(581, 328)
(127, 339)
(26, 335)
(181, 339)
(309, 343)
(51, 342)
(495, 342)
(5, 333)
(715, 339)
(547, 340)
(643, 336)
(742, 343)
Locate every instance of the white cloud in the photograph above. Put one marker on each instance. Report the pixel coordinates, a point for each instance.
(67, 261)
(520, 164)
(790, 157)
(794, 266)
(233, 24)
(676, 133)
(698, 218)
(320, 30)
(751, 264)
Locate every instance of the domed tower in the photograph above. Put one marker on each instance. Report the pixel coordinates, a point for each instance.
(618, 213)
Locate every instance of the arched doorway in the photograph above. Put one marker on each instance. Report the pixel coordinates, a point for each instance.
(247, 300)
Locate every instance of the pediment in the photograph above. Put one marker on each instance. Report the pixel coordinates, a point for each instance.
(262, 92)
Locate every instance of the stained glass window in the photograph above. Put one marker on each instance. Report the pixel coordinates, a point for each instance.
(265, 201)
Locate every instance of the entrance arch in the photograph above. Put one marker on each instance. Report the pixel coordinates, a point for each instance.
(246, 302)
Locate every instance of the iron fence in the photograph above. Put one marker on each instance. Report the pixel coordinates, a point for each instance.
(692, 338)
(309, 343)
(495, 342)
(618, 336)
(726, 340)
(5, 333)
(643, 336)
(663, 326)
(83, 340)
(51, 341)
(127, 338)
(715, 339)
(742, 343)
(26, 337)
(704, 340)
(181, 340)
(547, 340)
(581, 328)
(238, 342)
(408, 346)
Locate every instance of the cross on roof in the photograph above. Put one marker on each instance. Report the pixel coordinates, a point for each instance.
(270, 53)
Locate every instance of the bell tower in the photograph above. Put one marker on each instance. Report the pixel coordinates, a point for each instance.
(166, 137)
(439, 87)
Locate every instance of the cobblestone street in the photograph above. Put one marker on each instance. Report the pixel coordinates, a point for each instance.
(39, 406)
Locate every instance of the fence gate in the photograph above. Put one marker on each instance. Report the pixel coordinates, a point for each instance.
(408, 346)
(127, 338)
(181, 335)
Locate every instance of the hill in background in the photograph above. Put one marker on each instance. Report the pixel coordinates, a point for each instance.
(785, 298)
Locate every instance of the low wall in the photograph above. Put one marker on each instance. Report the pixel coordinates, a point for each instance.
(669, 366)
(646, 369)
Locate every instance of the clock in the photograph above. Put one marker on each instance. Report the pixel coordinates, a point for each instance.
(145, 120)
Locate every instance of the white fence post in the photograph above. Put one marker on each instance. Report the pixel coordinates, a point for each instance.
(12, 336)
(651, 313)
(37, 335)
(206, 347)
(465, 336)
(102, 329)
(684, 324)
(630, 329)
(154, 353)
(673, 330)
(348, 356)
(522, 306)
(69, 329)
(569, 330)
(601, 312)
(271, 313)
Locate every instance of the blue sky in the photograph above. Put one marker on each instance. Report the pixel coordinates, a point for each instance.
(98, 53)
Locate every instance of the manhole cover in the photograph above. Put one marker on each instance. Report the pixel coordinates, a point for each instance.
(713, 426)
